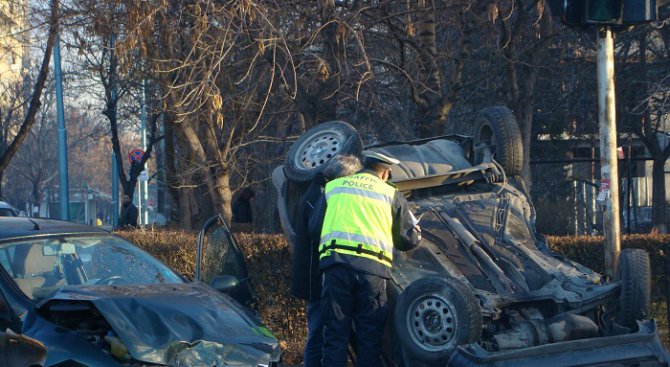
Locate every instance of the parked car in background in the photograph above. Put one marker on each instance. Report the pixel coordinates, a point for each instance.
(95, 299)
(6, 210)
(483, 288)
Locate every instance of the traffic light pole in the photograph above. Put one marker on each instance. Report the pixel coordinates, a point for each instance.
(609, 175)
(144, 185)
(62, 135)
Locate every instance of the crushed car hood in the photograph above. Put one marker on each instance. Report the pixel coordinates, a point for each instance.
(173, 324)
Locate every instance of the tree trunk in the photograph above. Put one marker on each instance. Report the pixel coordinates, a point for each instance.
(226, 195)
(525, 112)
(433, 103)
(185, 214)
(526, 127)
(318, 104)
(170, 162)
(658, 195)
(194, 144)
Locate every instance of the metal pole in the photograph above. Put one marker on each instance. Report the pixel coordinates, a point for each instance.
(62, 136)
(585, 210)
(636, 190)
(144, 199)
(576, 203)
(593, 191)
(609, 175)
(115, 192)
(629, 190)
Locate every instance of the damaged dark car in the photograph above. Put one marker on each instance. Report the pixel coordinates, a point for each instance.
(484, 289)
(95, 299)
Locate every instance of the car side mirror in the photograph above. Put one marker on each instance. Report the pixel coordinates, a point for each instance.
(224, 283)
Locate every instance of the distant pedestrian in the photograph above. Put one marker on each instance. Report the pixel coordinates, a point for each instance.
(306, 276)
(242, 212)
(129, 213)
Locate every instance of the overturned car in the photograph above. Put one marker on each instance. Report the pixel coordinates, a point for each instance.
(94, 299)
(484, 289)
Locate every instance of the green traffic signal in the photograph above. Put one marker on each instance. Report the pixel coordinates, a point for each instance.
(606, 12)
(603, 11)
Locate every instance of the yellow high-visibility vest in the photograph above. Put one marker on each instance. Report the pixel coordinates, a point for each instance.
(358, 219)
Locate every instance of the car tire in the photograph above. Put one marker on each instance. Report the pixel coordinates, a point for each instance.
(634, 273)
(433, 316)
(316, 146)
(497, 127)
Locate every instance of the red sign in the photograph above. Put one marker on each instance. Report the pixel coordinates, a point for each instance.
(604, 184)
(619, 153)
(135, 156)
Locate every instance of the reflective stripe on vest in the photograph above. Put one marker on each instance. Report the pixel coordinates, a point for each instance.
(358, 218)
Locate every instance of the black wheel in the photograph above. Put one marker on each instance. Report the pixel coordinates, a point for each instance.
(497, 127)
(634, 272)
(317, 145)
(433, 316)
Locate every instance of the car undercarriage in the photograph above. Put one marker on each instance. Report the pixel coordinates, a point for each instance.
(483, 288)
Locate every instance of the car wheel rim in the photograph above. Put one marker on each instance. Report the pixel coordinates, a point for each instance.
(431, 322)
(316, 151)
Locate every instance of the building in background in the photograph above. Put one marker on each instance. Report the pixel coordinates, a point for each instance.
(566, 179)
(13, 36)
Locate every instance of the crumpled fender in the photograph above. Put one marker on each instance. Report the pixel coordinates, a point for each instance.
(176, 324)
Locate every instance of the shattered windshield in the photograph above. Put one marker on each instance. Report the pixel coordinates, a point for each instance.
(39, 266)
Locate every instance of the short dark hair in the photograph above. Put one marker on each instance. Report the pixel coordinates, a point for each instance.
(341, 165)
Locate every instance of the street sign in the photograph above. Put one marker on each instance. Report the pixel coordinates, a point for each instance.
(135, 156)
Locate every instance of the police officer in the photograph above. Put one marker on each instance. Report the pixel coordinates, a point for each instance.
(361, 219)
(306, 276)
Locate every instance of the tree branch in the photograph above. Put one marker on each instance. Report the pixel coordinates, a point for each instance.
(37, 93)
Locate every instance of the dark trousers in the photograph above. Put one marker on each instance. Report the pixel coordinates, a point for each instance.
(351, 296)
(314, 345)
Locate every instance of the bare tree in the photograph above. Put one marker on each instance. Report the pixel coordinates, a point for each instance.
(645, 88)
(33, 105)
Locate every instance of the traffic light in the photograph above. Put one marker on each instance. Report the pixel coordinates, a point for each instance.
(606, 12)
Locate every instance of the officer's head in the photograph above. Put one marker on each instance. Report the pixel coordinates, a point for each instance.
(379, 163)
(340, 166)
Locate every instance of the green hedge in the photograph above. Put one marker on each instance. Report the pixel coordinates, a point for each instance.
(269, 260)
(589, 251)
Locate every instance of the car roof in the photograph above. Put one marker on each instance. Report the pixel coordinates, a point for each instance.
(4, 204)
(14, 227)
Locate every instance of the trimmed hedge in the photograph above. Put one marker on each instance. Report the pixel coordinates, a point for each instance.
(269, 263)
(589, 251)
